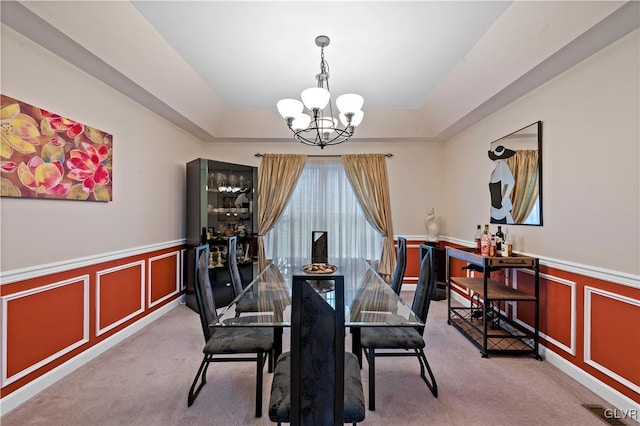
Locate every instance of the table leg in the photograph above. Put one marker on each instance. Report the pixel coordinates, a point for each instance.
(277, 342)
(356, 347)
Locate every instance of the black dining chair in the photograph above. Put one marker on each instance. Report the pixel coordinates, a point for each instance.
(374, 339)
(317, 382)
(249, 301)
(232, 263)
(222, 344)
(401, 266)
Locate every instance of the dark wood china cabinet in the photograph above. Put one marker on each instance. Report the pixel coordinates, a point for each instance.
(221, 202)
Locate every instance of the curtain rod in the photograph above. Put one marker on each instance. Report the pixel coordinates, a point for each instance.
(388, 155)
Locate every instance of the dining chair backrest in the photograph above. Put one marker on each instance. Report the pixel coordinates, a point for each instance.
(204, 291)
(401, 266)
(232, 261)
(317, 354)
(424, 288)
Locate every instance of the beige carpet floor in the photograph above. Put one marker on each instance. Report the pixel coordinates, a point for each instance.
(145, 379)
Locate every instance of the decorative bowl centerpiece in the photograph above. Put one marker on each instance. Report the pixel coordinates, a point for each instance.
(319, 268)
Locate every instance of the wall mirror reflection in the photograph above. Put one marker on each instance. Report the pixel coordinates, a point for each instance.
(515, 185)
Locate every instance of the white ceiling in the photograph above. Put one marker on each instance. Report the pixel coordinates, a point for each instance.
(252, 56)
(427, 69)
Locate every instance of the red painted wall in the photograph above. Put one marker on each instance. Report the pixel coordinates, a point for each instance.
(53, 318)
(589, 322)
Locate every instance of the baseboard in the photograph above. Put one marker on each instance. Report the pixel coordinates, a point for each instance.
(32, 388)
(459, 298)
(409, 287)
(604, 391)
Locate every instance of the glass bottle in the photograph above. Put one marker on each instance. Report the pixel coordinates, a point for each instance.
(485, 241)
(478, 238)
(507, 245)
(499, 240)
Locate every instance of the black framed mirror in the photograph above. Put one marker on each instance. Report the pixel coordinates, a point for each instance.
(515, 185)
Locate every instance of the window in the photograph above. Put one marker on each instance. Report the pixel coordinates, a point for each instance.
(323, 200)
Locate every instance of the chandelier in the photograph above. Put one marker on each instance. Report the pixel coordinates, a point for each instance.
(320, 128)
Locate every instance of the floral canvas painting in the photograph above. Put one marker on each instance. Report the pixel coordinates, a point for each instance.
(45, 155)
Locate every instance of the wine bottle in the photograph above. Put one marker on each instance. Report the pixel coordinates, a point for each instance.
(499, 240)
(492, 246)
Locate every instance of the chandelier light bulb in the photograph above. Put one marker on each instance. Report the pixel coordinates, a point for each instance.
(349, 102)
(315, 98)
(289, 108)
(355, 120)
(327, 125)
(301, 122)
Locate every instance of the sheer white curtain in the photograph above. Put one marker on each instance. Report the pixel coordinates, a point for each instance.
(323, 201)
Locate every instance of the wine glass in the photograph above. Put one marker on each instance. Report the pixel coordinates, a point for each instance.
(233, 183)
(221, 182)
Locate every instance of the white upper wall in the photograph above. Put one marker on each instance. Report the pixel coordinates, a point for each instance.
(149, 157)
(590, 164)
(591, 181)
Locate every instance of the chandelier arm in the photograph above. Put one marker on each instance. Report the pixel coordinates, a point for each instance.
(342, 135)
(306, 141)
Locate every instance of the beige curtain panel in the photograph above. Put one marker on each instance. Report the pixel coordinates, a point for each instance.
(277, 178)
(367, 174)
(524, 166)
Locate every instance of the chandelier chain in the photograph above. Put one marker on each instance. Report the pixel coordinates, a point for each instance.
(324, 66)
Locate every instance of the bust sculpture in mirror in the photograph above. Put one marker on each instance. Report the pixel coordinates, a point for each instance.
(515, 185)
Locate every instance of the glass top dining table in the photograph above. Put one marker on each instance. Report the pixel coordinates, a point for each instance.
(369, 301)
